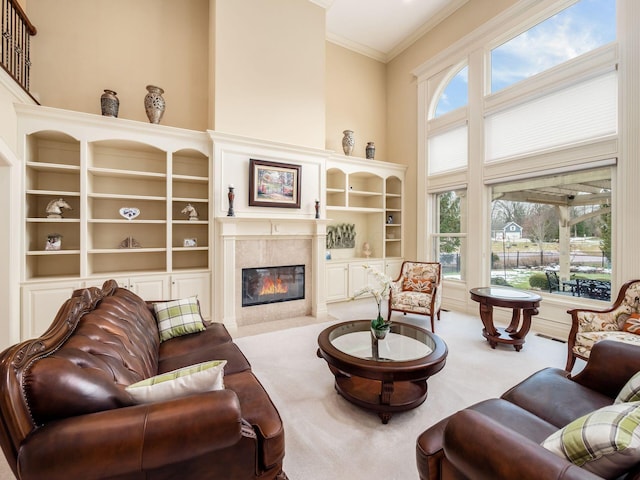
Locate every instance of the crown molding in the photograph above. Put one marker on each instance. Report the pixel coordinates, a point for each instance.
(450, 9)
(323, 3)
(357, 47)
(386, 57)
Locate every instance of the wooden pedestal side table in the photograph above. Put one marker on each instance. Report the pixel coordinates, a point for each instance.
(524, 305)
(383, 376)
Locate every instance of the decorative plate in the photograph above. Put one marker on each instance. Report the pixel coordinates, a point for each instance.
(129, 212)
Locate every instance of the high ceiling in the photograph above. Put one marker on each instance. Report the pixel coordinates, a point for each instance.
(383, 28)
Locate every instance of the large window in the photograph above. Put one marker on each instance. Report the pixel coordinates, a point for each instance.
(456, 93)
(581, 28)
(449, 242)
(582, 111)
(448, 150)
(559, 224)
(537, 148)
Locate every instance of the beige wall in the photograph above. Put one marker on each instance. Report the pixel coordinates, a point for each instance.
(84, 47)
(270, 70)
(402, 95)
(356, 100)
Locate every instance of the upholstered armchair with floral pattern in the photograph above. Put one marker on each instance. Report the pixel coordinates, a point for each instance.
(620, 322)
(418, 289)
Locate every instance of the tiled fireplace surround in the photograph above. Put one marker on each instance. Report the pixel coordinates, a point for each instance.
(267, 243)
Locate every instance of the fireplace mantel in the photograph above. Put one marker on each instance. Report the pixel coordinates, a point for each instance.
(270, 226)
(231, 230)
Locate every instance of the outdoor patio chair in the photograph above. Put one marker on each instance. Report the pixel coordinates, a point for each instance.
(553, 281)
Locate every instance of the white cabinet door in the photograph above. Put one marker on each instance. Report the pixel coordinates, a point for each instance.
(359, 277)
(193, 284)
(337, 278)
(150, 288)
(147, 287)
(40, 304)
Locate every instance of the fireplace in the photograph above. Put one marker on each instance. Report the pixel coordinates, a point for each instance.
(261, 285)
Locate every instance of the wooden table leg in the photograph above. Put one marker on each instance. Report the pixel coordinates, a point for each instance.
(515, 321)
(526, 325)
(486, 315)
(385, 399)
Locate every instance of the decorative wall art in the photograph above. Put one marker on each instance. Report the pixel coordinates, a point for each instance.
(274, 184)
(342, 235)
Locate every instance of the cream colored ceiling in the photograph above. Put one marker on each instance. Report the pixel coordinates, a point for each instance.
(383, 28)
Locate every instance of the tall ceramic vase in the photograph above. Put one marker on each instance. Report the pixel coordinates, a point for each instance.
(109, 103)
(154, 103)
(348, 142)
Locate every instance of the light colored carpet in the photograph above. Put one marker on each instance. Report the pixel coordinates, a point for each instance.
(327, 437)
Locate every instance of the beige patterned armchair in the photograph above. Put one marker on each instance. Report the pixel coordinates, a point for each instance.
(620, 322)
(418, 289)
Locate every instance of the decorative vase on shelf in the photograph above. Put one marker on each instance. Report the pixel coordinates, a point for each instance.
(348, 142)
(109, 103)
(370, 151)
(154, 104)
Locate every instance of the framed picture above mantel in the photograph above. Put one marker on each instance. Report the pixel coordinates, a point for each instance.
(274, 184)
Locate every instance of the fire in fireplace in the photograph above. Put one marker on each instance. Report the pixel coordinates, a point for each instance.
(272, 284)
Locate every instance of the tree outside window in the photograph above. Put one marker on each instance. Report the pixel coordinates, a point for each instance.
(449, 242)
(565, 225)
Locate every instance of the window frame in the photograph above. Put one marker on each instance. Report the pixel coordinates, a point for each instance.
(475, 50)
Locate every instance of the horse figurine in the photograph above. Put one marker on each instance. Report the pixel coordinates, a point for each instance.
(190, 211)
(54, 208)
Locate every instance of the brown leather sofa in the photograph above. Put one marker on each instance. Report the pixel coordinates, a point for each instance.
(500, 438)
(65, 413)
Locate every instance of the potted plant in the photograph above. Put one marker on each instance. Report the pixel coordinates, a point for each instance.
(379, 326)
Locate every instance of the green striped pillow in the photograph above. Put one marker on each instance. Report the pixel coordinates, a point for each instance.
(199, 378)
(178, 317)
(605, 442)
(631, 390)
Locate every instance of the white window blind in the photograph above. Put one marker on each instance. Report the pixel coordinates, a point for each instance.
(583, 111)
(448, 150)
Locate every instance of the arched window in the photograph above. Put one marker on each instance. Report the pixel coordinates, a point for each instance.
(455, 94)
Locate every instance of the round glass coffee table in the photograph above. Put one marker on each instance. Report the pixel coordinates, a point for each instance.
(383, 376)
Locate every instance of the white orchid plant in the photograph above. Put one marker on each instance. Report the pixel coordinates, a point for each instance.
(379, 294)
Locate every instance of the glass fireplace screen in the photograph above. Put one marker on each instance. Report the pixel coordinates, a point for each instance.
(272, 284)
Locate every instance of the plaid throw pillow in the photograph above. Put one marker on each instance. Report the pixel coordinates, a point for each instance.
(199, 378)
(605, 442)
(178, 317)
(631, 390)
